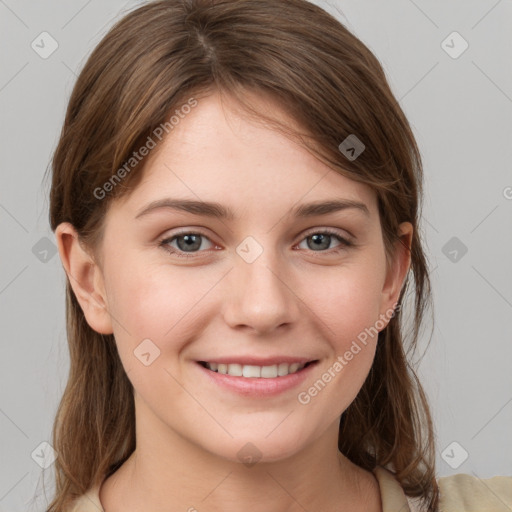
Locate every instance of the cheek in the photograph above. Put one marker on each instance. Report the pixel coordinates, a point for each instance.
(152, 308)
(347, 301)
(347, 306)
(148, 300)
(158, 303)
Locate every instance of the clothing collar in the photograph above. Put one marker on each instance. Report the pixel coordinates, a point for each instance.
(392, 495)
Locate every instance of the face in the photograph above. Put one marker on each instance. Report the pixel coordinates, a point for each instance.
(280, 295)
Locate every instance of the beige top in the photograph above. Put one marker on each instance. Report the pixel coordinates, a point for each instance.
(458, 493)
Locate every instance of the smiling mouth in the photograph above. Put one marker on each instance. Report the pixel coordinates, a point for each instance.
(253, 371)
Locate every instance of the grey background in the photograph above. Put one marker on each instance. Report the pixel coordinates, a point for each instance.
(461, 113)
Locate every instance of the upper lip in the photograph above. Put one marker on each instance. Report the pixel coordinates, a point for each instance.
(258, 361)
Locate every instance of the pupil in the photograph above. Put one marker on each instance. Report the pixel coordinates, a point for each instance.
(318, 239)
(189, 241)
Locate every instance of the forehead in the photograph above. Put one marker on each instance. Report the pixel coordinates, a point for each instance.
(216, 153)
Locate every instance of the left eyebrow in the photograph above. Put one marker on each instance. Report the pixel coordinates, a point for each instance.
(216, 210)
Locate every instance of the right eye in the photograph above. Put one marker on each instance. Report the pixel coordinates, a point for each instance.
(187, 242)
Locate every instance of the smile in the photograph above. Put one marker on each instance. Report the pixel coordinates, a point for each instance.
(253, 371)
(244, 377)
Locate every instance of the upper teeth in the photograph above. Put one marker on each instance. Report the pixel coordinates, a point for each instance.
(248, 370)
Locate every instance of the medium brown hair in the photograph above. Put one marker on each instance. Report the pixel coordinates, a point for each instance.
(149, 64)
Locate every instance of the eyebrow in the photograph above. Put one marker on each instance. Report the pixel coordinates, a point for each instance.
(217, 210)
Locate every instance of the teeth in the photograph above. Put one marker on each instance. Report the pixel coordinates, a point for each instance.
(282, 369)
(236, 370)
(249, 371)
(294, 367)
(269, 372)
(252, 371)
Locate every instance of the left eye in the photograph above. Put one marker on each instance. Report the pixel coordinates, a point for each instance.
(320, 240)
(190, 242)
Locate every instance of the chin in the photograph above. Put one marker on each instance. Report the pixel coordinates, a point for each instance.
(253, 446)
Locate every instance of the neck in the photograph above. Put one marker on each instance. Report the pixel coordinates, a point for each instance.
(168, 472)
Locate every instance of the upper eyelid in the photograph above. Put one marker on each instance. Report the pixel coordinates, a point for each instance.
(186, 231)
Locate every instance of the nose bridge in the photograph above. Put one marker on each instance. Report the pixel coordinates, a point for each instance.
(259, 295)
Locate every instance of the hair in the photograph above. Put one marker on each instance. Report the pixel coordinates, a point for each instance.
(154, 60)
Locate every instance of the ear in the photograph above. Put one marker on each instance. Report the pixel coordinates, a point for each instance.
(397, 270)
(85, 277)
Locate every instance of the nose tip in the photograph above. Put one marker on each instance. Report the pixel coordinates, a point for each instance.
(259, 296)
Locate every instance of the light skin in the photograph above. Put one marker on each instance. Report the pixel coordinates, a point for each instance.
(296, 299)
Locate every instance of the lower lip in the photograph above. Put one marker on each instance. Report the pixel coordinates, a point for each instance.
(258, 386)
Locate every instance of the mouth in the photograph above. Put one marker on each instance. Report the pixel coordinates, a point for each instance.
(251, 371)
(245, 377)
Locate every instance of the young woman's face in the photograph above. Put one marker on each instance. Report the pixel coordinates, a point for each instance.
(259, 291)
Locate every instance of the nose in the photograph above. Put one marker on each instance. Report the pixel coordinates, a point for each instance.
(260, 296)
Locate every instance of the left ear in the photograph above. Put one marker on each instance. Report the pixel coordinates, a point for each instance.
(397, 270)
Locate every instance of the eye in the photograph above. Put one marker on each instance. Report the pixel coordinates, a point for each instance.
(322, 240)
(188, 243)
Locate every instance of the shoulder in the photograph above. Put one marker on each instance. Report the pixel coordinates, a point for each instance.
(457, 493)
(466, 493)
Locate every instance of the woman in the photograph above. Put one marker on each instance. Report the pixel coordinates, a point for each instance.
(236, 198)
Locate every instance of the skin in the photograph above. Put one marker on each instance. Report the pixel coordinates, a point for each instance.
(294, 299)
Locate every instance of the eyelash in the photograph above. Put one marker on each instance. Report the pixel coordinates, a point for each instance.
(344, 243)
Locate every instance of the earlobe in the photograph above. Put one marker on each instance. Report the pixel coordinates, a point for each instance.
(85, 277)
(397, 272)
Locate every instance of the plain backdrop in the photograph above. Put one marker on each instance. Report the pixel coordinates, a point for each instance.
(448, 64)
